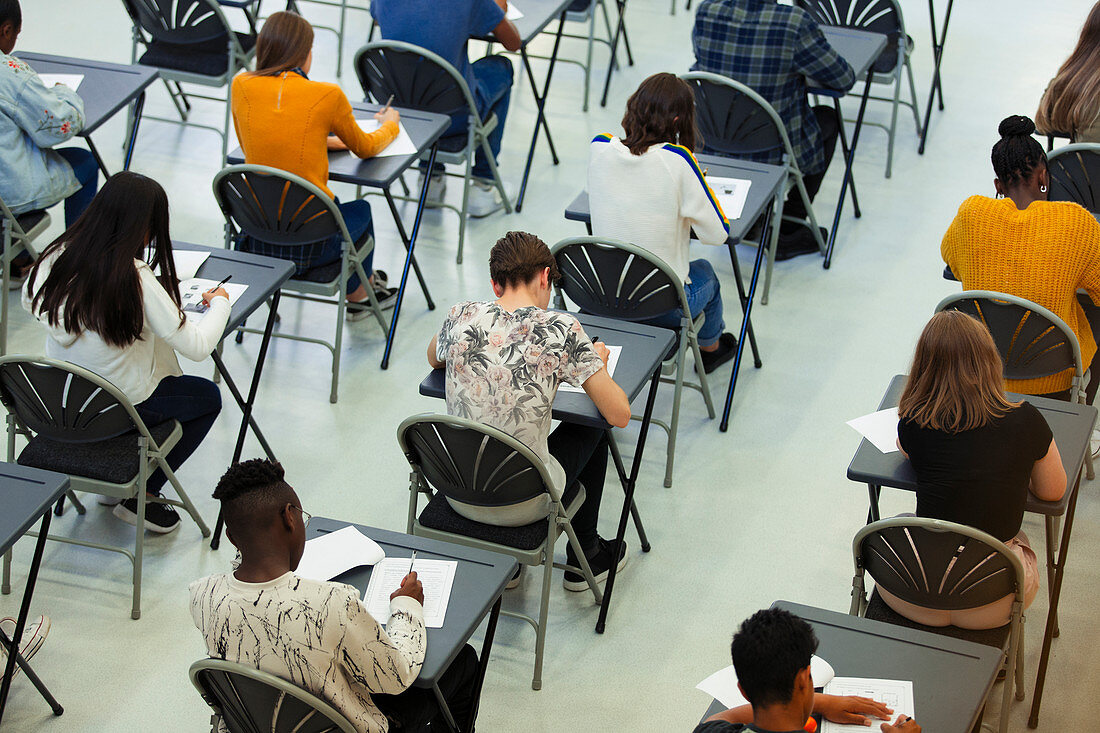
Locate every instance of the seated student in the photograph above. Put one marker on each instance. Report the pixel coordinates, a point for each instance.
(659, 216)
(286, 121)
(1024, 245)
(1071, 102)
(317, 635)
(505, 360)
(772, 48)
(771, 655)
(976, 454)
(106, 311)
(444, 29)
(34, 118)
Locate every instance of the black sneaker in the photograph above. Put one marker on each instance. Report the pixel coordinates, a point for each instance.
(517, 578)
(159, 518)
(727, 347)
(599, 561)
(799, 242)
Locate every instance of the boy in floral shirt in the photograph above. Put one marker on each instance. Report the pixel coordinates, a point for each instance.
(505, 360)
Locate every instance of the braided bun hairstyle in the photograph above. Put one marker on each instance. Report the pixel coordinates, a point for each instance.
(1017, 154)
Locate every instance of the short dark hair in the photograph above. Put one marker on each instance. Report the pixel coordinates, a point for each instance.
(250, 491)
(769, 650)
(518, 257)
(11, 13)
(1017, 154)
(662, 110)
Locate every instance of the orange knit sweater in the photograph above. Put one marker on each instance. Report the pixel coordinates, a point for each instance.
(1044, 253)
(284, 122)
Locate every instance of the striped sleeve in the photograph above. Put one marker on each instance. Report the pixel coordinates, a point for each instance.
(698, 202)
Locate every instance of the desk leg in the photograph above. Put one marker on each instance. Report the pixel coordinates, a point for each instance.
(540, 102)
(617, 457)
(405, 241)
(21, 624)
(410, 260)
(843, 134)
(872, 507)
(937, 57)
(98, 158)
(483, 663)
(628, 502)
(848, 171)
(246, 405)
(620, 30)
(139, 105)
(744, 300)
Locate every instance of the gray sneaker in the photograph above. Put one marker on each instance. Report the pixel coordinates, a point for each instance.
(437, 187)
(484, 198)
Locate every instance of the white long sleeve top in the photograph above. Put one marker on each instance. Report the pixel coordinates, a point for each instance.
(652, 200)
(138, 368)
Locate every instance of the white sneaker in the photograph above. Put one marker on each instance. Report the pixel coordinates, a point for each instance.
(437, 187)
(484, 199)
(108, 500)
(34, 634)
(1094, 443)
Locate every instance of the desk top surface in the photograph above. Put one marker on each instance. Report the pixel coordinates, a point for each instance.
(859, 48)
(478, 583)
(537, 14)
(25, 494)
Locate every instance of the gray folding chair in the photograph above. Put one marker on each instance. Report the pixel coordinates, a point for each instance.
(419, 79)
(20, 231)
(280, 211)
(877, 16)
(614, 279)
(466, 461)
(345, 6)
(945, 566)
(190, 42)
(737, 122)
(79, 424)
(248, 701)
(1075, 175)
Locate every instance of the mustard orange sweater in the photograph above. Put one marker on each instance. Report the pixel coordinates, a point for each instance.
(1044, 253)
(284, 122)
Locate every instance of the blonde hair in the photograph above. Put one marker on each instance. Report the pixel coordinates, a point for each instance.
(956, 382)
(1072, 100)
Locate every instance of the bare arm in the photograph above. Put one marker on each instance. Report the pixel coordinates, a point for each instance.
(609, 397)
(506, 31)
(1048, 476)
(433, 360)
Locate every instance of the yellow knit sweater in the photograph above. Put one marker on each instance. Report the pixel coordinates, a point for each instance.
(1044, 253)
(284, 122)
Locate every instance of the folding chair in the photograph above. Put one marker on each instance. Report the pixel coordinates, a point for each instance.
(79, 424)
(345, 6)
(878, 16)
(248, 700)
(190, 42)
(614, 279)
(737, 122)
(419, 79)
(1075, 175)
(20, 231)
(943, 565)
(466, 461)
(280, 211)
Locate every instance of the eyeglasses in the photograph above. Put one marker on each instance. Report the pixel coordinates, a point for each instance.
(306, 516)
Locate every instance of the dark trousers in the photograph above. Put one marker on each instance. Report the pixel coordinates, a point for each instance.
(582, 453)
(87, 172)
(416, 708)
(195, 402)
(829, 123)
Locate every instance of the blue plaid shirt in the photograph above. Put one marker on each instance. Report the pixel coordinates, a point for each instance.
(772, 48)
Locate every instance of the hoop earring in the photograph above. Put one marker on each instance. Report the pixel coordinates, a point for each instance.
(1042, 189)
(1000, 195)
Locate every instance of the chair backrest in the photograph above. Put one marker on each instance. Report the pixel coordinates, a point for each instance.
(416, 77)
(734, 120)
(1032, 341)
(615, 279)
(876, 16)
(937, 564)
(182, 22)
(472, 463)
(276, 207)
(250, 701)
(64, 402)
(1075, 175)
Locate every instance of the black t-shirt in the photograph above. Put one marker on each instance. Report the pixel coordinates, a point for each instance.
(978, 477)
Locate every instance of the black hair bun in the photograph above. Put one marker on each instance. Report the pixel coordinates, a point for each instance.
(1016, 125)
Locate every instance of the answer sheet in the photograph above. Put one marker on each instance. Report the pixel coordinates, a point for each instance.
(331, 554)
(722, 685)
(401, 145)
(72, 81)
(731, 194)
(191, 296)
(881, 428)
(894, 694)
(612, 362)
(437, 577)
(513, 13)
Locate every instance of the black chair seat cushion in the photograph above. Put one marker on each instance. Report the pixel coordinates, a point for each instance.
(323, 274)
(439, 515)
(887, 61)
(579, 6)
(114, 460)
(209, 58)
(879, 611)
(453, 143)
(30, 219)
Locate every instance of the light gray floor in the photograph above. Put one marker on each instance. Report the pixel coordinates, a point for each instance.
(763, 512)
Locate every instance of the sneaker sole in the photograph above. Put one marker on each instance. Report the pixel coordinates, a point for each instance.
(576, 586)
(39, 629)
(130, 518)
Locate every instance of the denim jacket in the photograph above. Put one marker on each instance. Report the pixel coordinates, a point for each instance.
(32, 120)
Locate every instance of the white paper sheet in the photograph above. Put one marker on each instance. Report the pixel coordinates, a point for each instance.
(612, 362)
(722, 685)
(401, 145)
(191, 296)
(894, 694)
(330, 554)
(188, 262)
(437, 577)
(881, 428)
(72, 81)
(513, 13)
(731, 194)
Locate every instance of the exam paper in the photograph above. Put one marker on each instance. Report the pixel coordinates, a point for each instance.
(513, 13)
(191, 296)
(731, 194)
(612, 362)
(437, 577)
(881, 428)
(188, 262)
(72, 81)
(894, 694)
(401, 145)
(331, 554)
(722, 685)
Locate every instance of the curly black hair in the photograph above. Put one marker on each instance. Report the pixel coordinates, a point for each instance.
(1017, 154)
(250, 491)
(769, 650)
(11, 13)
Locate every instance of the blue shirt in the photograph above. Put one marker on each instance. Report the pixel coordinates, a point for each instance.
(441, 27)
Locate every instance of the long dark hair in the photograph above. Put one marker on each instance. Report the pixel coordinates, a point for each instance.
(662, 110)
(93, 284)
(284, 44)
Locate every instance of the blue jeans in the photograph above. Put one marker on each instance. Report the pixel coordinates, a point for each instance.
(195, 402)
(703, 294)
(492, 94)
(87, 172)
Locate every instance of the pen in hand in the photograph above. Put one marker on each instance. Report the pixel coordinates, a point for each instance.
(411, 561)
(389, 101)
